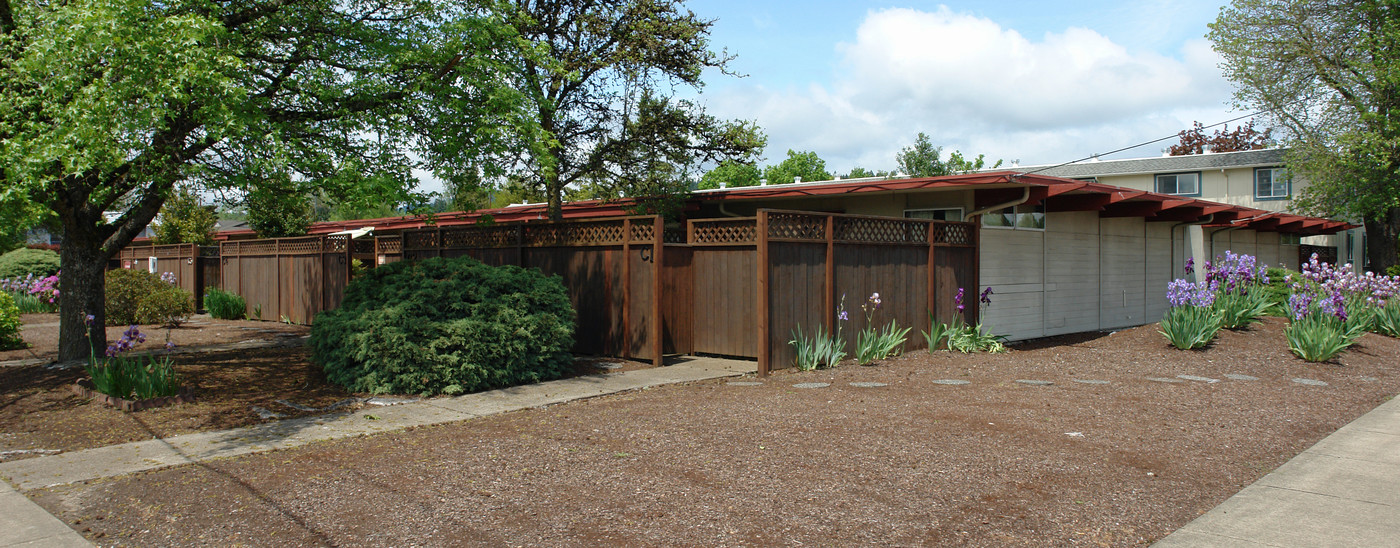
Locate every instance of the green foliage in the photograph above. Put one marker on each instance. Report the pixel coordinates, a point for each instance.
(9, 323)
(1245, 137)
(1393, 270)
(1277, 290)
(1317, 337)
(224, 305)
(24, 261)
(31, 304)
(822, 350)
(445, 326)
(732, 174)
(135, 378)
(1325, 72)
(185, 220)
(967, 339)
(277, 210)
(873, 345)
(1238, 310)
(804, 164)
(937, 334)
(168, 306)
(922, 160)
(860, 172)
(1387, 321)
(109, 104)
(1190, 327)
(603, 118)
(127, 290)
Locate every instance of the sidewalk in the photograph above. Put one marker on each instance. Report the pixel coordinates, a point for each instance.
(1344, 491)
(22, 523)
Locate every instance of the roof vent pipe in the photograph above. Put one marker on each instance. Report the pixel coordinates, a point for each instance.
(763, 182)
(797, 179)
(723, 184)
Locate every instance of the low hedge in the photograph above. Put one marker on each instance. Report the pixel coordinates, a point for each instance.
(24, 261)
(9, 323)
(224, 305)
(445, 326)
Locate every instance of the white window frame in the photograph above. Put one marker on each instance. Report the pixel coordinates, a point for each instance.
(1157, 183)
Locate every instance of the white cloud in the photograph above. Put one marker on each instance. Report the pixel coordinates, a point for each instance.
(975, 86)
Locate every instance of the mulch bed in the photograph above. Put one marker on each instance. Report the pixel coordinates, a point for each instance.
(40, 414)
(991, 463)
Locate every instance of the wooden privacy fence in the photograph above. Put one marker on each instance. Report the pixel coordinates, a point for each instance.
(734, 286)
(194, 267)
(287, 278)
(608, 267)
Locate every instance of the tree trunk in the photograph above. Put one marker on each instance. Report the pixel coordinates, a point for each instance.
(555, 191)
(82, 288)
(1383, 240)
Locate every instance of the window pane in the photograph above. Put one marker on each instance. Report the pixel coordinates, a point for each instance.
(1166, 184)
(1264, 183)
(1031, 220)
(999, 218)
(1186, 183)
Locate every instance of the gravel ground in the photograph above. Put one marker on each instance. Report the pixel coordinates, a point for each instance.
(994, 462)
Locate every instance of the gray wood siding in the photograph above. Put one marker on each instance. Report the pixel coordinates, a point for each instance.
(1122, 264)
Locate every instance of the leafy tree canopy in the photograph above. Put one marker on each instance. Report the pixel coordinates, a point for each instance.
(804, 164)
(109, 103)
(1327, 72)
(732, 174)
(1245, 137)
(185, 220)
(923, 160)
(605, 117)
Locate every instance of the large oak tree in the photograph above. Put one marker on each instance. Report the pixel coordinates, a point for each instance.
(1327, 71)
(109, 103)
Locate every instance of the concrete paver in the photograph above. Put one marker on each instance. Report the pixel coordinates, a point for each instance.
(23, 523)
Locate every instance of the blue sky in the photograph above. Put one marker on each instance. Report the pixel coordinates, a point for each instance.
(1039, 82)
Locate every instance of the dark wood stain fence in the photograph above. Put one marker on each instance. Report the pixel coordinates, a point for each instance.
(291, 278)
(731, 286)
(194, 267)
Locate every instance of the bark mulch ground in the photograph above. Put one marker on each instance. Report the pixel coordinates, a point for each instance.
(994, 462)
(40, 415)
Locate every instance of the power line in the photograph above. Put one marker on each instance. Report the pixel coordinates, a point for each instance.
(1092, 156)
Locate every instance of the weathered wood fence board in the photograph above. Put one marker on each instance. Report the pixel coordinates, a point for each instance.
(287, 278)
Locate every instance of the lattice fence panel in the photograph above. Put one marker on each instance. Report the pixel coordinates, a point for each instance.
(388, 246)
(172, 251)
(642, 232)
(796, 226)
(953, 234)
(362, 246)
(254, 247)
(880, 231)
(471, 237)
(335, 244)
(209, 251)
(727, 231)
(421, 239)
(675, 236)
(559, 235)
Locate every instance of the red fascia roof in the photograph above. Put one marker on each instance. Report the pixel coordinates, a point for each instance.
(1077, 195)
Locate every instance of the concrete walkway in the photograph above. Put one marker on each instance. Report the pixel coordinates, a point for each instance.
(1344, 491)
(22, 523)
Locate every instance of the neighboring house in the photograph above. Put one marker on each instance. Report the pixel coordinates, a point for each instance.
(1254, 178)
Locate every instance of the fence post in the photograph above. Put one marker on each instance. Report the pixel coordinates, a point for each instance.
(657, 326)
(975, 269)
(932, 278)
(764, 352)
(829, 289)
(627, 288)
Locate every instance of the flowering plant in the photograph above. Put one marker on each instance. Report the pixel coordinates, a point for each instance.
(133, 377)
(959, 335)
(1237, 281)
(33, 295)
(873, 344)
(1331, 308)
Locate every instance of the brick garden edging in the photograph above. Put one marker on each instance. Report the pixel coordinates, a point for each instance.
(84, 389)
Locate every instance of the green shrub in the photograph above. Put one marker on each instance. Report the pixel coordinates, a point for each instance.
(22, 262)
(1317, 337)
(1393, 270)
(168, 306)
(821, 350)
(224, 305)
(9, 323)
(126, 289)
(445, 326)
